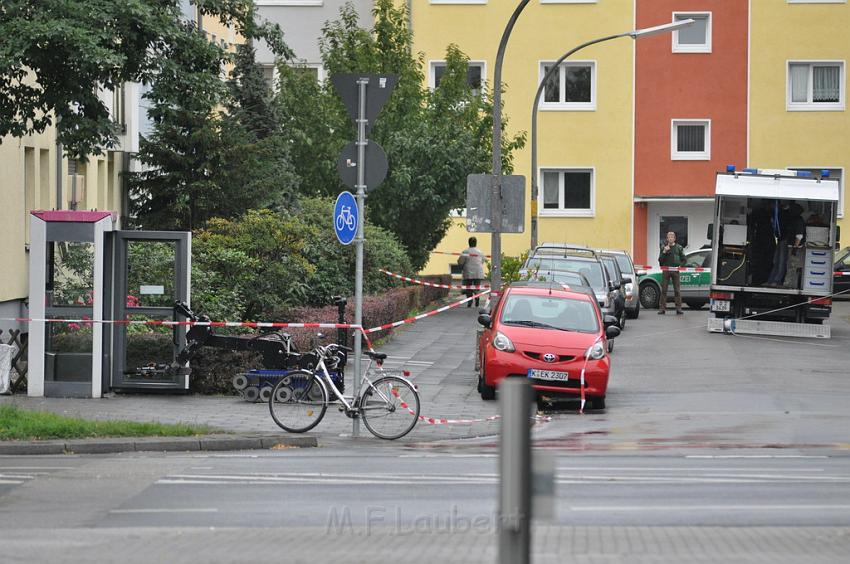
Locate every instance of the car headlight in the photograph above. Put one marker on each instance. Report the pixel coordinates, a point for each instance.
(596, 352)
(502, 343)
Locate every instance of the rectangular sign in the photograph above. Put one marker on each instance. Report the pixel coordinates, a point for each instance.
(152, 290)
(479, 190)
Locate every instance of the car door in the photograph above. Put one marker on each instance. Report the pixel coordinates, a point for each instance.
(841, 280)
(695, 283)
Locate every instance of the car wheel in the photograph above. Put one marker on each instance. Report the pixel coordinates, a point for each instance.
(488, 393)
(649, 294)
(633, 314)
(610, 345)
(622, 321)
(695, 304)
(597, 402)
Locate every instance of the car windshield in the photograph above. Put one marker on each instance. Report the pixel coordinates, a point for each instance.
(591, 269)
(550, 312)
(624, 264)
(560, 277)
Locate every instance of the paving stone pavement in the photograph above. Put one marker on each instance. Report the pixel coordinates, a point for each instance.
(551, 544)
(438, 351)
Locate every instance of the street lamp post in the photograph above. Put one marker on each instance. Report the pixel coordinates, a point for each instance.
(634, 34)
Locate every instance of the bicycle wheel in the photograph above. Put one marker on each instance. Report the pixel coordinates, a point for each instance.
(298, 402)
(390, 407)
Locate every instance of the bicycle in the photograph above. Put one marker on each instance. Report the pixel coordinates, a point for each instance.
(345, 219)
(389, 406)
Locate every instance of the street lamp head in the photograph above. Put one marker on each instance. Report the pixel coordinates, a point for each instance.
(664, 28)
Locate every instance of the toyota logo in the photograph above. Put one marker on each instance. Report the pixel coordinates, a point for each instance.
(549, 357)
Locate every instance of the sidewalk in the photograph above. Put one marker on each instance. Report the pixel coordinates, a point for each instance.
(438, 351)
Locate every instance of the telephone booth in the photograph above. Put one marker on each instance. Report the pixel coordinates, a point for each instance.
(82, 271)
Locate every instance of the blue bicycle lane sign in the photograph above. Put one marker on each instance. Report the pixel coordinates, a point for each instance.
(345, 218)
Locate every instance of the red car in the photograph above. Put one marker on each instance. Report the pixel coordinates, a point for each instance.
(547, 333)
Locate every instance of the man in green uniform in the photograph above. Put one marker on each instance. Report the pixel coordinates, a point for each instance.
(672, 255)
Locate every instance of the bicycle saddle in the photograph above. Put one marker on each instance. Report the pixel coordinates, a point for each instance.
(376, 355)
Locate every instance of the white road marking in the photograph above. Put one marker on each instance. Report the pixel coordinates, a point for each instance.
(638, 508)
(728, 456)
(165, 510)
(11, 482)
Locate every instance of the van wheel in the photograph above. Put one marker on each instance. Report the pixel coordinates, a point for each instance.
(649, 294)
(695, 304)
(597, 402)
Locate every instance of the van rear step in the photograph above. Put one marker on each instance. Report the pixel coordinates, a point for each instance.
(775, 328)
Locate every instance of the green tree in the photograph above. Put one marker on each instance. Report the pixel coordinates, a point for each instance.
(56, 54)
(433, 139)
(202, 162)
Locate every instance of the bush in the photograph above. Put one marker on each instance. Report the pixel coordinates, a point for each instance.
(335, 263)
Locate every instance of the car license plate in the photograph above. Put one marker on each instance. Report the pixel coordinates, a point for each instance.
(549, 375)
(720, 305)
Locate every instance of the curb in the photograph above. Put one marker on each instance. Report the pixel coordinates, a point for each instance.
(157, 444)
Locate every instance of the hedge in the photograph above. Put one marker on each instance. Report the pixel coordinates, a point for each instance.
(212, 369)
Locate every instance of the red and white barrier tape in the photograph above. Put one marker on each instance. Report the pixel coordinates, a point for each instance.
(424, 315)
(444, 421)
(841, 273)
(254, 324)
(433, 285)
(458, 254)
(684, 269)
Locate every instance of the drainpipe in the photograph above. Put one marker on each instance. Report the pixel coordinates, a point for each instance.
(58, 167)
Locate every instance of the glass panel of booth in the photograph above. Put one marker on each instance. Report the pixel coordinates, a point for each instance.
(149, 349)
(70, 274)
(151, 276)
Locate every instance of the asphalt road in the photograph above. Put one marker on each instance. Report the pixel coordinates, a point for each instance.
(713, 448)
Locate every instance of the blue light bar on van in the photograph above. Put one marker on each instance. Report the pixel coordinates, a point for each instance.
(824, 173)
(751, 170)
(730, 168)
(804, 173)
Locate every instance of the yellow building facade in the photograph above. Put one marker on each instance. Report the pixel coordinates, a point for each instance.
(798, 89)
(586, 145)
(30, 181)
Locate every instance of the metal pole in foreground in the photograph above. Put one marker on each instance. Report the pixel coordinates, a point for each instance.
(514, 521)
(358, 241)
(496, 188)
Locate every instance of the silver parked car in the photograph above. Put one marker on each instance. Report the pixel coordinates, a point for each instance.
(627, 268)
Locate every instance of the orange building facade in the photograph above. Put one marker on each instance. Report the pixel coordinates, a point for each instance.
(690, 117)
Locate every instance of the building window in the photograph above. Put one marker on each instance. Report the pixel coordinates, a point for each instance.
(815, 85)
(270, 76)
(835, 174)
(568, 192)
(690, 140)
(573, 87)
(316, 71)
(475, 74)
(695, 38)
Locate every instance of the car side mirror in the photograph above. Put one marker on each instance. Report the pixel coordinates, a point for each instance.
(612, 332)
(625, 281)
(613, 286)
(484, 320)
(609, 320)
